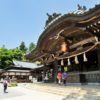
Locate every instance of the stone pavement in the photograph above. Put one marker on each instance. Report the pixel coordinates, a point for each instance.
(12, 92)
(44, 91)
(21, 93)
(84, 92)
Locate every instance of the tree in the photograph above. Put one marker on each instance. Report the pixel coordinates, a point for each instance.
(22, 47)
(31, 46)
(7, 56)
(3, 46)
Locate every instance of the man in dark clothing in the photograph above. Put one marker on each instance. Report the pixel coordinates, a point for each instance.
(5, 83)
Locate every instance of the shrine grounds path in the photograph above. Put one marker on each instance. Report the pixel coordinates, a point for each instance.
(22, 93)
(46, 91)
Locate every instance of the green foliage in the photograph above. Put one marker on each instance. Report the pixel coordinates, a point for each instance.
(7, 56)
(22, 47)
(31, 46)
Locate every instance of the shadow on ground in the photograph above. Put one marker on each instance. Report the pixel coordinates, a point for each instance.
(85, 93)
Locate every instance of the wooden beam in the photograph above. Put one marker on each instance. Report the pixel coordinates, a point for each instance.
(98, 54)
(91, 39)
(93, 32)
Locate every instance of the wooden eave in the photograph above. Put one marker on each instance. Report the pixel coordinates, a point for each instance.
(74, 25)
(79, 47)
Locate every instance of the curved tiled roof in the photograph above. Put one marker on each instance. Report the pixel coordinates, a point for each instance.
(21, 64)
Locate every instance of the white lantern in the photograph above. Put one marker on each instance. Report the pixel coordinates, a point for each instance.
(76, 60)
(62, 62)
(69, 63)
(84, 57)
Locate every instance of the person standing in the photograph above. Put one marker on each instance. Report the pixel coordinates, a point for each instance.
(46, 78)
(64, 77)
(59, 76)
(5, 85)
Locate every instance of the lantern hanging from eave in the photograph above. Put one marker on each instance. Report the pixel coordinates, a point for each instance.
(65, 69)
(69, 63)
(76, 60)
(84, 57)
(62, 62)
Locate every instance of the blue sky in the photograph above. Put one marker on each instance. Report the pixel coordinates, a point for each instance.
(24, 20)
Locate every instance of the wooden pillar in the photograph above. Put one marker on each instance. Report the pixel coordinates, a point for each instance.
(98, 55)
(55, 70)
(44, 72)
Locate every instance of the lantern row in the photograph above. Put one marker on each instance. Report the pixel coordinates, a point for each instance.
(75, 59)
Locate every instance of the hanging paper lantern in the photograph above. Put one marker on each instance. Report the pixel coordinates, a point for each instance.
(84, 57)
(65, 69)
(69, 63)
(62, 62)
(76, 60)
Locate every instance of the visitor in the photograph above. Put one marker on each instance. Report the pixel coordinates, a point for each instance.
(5, 85)
(59, 76)
(64, 77)
(46, 78)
